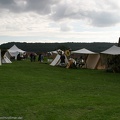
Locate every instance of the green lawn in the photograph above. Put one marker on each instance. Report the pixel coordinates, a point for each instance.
(35, 91)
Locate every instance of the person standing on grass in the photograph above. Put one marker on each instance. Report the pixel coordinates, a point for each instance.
(31, 57)
(62, 59)
(40, 57)
(34, 57)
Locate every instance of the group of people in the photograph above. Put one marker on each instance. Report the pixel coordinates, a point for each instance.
(72, 63)
(80, 62)
(34, 55)
(65, 61)
(21, 56)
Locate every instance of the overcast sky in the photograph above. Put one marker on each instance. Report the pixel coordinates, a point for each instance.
(59, 21)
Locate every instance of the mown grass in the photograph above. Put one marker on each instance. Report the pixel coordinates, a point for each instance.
(37, 91)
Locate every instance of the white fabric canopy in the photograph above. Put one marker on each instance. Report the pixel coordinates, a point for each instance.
(83, 51)
(5, 59)
(114, 50)
(14, 48)
(14, 51)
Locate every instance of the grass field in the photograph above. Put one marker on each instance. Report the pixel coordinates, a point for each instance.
(34, 91)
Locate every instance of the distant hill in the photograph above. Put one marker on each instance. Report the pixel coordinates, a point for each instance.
(45, 47)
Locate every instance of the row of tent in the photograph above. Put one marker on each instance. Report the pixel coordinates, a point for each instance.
(12, 52)
(114, 50)
(94, 60)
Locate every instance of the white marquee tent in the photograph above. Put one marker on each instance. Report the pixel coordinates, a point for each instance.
(83, 51)
(14, 51)
(92, 58)
(114, 50)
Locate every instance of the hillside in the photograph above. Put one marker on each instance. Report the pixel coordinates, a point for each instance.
(45, 47)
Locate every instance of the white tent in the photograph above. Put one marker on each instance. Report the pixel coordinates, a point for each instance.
(111, 56)
(5, 59)
(14, 51)
(92, 57)
(53, 54)
(114, 50)
(57, 60)
(83, 51)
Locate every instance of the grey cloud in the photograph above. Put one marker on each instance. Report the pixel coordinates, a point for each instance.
(59, 12)
(10, 5)
(38, 6)
(6, 2)
(103, 19)
(95, 18)
(62, 11)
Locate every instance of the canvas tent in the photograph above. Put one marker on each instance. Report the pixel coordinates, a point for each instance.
(5, 59)
(112, 56)
(14, 51)
(57, 60)
(92, 57)
(114, 50)
(53, 56)
(83, 51)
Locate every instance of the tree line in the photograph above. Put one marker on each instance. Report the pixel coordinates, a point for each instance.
(46, 47)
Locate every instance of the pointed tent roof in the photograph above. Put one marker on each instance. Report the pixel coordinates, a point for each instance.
(14, 48)
(84, 51)
(114, 50)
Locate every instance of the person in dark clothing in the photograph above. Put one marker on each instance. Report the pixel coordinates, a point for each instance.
(62, 58)
(31, 57)
(34, 57)
(39, 57)
(18, 57)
